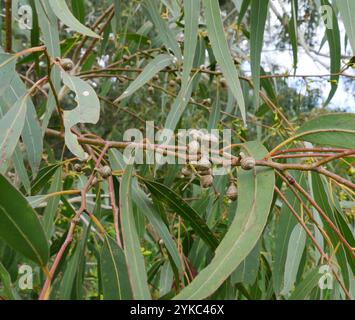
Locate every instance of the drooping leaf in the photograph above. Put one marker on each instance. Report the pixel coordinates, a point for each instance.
(63, 13)
(19, 224)
(7, 69)
(166, 35)
(157, 64)
(293, 31)
(5, 280)
(132, 248)
(303, 290)
(182, 208)
(259, 11)
(114, 273)
(336, 129)
(87, 111)
(295, 250)
(221, 51)
(11, 125)
(256, 189)
(347, 9)
(333, 36)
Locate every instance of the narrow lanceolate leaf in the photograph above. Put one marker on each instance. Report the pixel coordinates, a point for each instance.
(114, 273)
(221, 51)
(63, 13)
(182, 208)
(166, 35)
(283, 230)
(347, 9)
(52, 205)
(19, 224)
(20, 168)
(192, 12)
(134, 258)
(333, 36)
(292, 29)
(336, 129)
(87, 111)
(295, 250)
(11, 125)
(256, 189)
(146, 206)
(259, 10)
(157, 64)
(7, 69)
(31, 134)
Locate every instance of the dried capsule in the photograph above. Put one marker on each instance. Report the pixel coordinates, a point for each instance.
(207, 172)
(186, 171)
(172, 83)
(78, 167)
(247, 163)
(150, 90)
(105, 172)
(232, 192)
(203, 164)
(206, 181)
(67, 64)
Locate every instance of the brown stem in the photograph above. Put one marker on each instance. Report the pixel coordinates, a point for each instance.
(8, 25)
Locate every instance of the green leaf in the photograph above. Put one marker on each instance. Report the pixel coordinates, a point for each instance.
(259, 11)
(157, 64)
(305, 287)
(221, 51)
(52, 205)
(335, 129)
(347, 9)
(87, 111)
(256, 190)
(132, 248)
(333, 36)
(114, 273)
(292, 29)
(6, 283)
(165, 33)
(21, 169)
(19, 224)
(63, 13)
(146, 206)
(78, 7)
(295, 250)
(182, 208)
(7, 69)
(11, 125)
(192, 11)
(215, 114)
(283, 230)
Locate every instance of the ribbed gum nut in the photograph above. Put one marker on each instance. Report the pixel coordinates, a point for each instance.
(203, 164)
(232, 192)
(105, 172)
(186, 171)
(67, 64)
(207, 172)
(206, 181)
(77, 167)
(247, 163)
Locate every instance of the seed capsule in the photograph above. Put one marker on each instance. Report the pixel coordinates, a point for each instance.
(105, 172)
(150, 90)
(172, 83)
(232, 192)
(77, 167)
(247, 163)
(186, 171)
(203, 164)
(206, 181)
(207, 172)
(67, 64)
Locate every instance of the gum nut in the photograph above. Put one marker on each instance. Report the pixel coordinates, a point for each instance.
(203, 164)
(210, 138)
(247, 163)
(194, 147)
(67, 64)
(105, 172)
(186, 171)
(206, 181)
(232, 192)
(77, 167)
(207, 172)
